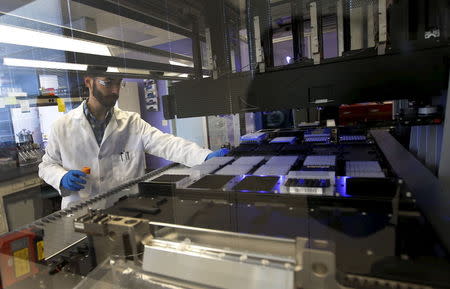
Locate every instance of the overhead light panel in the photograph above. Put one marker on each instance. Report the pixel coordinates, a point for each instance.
(127, 70)
(183, 75)
(172, 62)
(112, 69)
(43, 64)
(27, 37)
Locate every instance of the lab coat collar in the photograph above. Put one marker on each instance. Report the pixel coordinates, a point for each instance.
(110, 128)
(79, 112)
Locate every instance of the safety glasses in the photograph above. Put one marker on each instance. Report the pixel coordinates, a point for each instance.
(110, 82)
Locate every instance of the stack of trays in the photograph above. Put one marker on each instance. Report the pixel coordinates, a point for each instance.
(203, 169)
(234, 170)
(319, 175)
(256, 137)
(352, 138)
(365, 169)
(270, 170)
(253, 161)
(218, 161)
(320, 161)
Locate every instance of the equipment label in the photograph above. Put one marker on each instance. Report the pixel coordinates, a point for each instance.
(21, 262)
(304, 190)
(40, 250)
(61, 105)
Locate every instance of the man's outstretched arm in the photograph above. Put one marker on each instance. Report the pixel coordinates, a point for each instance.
(170, 147)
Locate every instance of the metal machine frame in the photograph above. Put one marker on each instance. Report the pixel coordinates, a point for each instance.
(394, 60)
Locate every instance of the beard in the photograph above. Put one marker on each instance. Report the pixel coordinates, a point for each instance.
(107, 100)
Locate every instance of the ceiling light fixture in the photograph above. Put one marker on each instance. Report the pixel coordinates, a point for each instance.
(27, 37)
(127, 70)
(172, 62)
(43, 64)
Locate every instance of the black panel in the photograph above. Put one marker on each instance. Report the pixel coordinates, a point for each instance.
(432, 197)
(373, 187)
(168, 104)
(271, 149)
(170, 178)
(255, 183)
(156, 189)
(244, 149)
(201, 97)
(209, 96)
(138, 206)
(406, 75)
(291, 149)
(156, 209)
(212, 182)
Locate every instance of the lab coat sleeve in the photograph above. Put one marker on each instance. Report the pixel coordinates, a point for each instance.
(170, 147)
(50, 169)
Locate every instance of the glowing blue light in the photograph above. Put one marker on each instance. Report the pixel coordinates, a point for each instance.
(341, 186)
(352, 138)
(284, 139)
(256, 137)
(260, 192)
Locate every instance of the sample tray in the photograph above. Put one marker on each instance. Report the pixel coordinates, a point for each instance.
(256, 184)
(213, 182)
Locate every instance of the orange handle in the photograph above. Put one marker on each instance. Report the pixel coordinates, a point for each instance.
(86, 170)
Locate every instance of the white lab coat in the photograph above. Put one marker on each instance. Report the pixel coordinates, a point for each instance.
(72, 145)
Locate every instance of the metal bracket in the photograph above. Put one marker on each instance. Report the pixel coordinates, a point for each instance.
(340, 26)
(259, 49)
(114, 236)
(211, 64)
(396, 203)
(314, 33)
(382, 27)
(370, 25)
(316, 264)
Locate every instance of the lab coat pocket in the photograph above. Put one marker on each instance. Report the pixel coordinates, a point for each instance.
(124, 166)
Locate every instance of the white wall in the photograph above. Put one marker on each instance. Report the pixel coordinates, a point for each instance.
(193, 129)
(129, 97)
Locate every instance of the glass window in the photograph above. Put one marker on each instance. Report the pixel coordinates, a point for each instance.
(224, 144)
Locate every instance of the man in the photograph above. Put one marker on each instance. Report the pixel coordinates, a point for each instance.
(110, 141)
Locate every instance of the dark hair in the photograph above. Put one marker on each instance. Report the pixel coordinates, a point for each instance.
(96, 70)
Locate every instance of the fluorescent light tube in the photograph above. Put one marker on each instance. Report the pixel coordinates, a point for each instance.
(112, 69)
(172, 62)
(27, 37)
(43, 64)
(127, 70)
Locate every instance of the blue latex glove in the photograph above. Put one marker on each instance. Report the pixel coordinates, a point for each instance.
(73, 180)
(217, 153)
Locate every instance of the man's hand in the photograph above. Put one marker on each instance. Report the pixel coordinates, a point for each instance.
(73, 180)
(217, 153)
